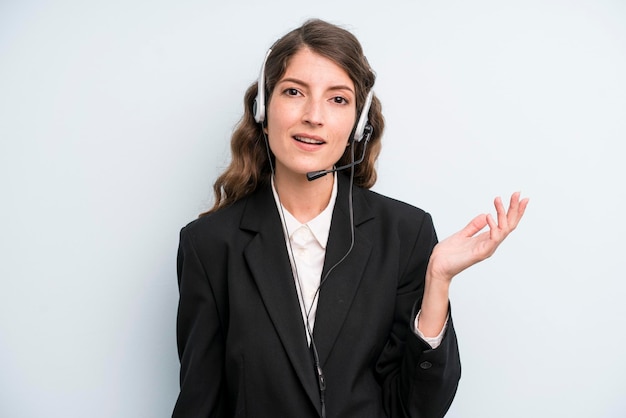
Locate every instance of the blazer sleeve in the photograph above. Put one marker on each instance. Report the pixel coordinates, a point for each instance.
(199, 336)
(418, 381)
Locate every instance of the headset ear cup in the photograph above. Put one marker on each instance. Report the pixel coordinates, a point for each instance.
(359, 131)
(258, 107)
(255, 110)
(259, 101)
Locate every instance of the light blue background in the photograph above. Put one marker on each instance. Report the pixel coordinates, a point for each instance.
(114, 122)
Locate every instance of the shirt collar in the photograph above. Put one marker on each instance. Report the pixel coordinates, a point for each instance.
(319, 226)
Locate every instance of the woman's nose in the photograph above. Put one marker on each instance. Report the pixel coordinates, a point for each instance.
(313, 112)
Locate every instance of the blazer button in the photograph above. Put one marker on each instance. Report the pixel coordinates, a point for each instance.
(426, 365)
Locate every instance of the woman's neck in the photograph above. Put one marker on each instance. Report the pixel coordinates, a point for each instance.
(304, 199)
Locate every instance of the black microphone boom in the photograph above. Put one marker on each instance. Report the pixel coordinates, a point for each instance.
(313, 175)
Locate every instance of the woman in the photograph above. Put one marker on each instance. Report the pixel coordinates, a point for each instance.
(308, 298)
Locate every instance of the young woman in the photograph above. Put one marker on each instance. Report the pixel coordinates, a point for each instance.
(309, 298)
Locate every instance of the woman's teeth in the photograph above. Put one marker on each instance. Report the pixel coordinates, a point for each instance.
(307, 140)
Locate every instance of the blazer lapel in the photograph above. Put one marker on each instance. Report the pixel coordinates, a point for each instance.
(268, 261)
(340, 286)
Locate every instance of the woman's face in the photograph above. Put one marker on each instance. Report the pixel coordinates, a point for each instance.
(310, 116)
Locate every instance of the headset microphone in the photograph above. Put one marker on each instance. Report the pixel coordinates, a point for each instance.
(362, 129)
(313, 175)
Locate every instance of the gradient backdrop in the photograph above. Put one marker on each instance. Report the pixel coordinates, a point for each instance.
(114, 122)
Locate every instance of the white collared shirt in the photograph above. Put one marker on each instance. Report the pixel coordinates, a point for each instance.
(306, 245)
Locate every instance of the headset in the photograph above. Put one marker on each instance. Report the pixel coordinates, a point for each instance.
(259, 106)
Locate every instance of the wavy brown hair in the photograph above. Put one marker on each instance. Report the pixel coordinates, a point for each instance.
(249, 168)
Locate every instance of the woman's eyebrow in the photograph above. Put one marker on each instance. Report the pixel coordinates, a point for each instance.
(305, 84)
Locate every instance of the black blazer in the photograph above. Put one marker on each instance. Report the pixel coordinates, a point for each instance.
(241, 338)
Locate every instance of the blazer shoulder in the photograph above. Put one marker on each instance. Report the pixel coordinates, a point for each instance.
(389, 207)
(215, 224)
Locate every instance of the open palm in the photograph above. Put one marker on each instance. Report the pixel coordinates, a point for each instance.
(470, 246)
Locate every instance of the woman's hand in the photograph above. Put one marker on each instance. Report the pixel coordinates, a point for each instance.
(465, 248)
(460, 251)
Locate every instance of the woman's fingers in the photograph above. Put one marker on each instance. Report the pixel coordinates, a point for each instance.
(501, 213)
(507, 219)
(475, 225)
(516, 210)
(468, 247)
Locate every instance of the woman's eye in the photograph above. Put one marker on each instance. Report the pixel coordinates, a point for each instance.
(340, 100)
(291, 92)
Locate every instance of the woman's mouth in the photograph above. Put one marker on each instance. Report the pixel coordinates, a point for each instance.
(308, 140)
